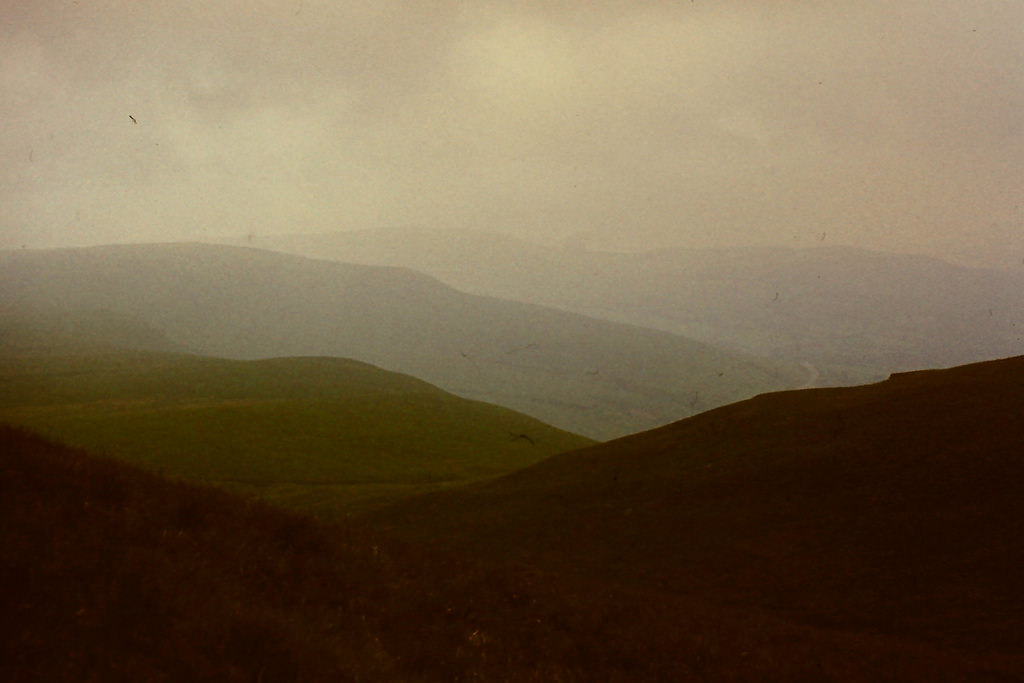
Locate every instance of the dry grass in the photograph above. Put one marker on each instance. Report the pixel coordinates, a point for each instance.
(889, 512)
(110, 573)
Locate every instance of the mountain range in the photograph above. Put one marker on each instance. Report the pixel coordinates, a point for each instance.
(589, 376)
(780, 530)
(854, 314)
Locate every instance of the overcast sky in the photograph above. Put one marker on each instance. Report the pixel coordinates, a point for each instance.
(884, 124)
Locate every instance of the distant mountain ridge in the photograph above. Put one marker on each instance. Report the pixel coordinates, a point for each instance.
(830, 305)
(586, 375)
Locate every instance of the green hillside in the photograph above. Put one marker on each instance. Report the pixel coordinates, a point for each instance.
(320, 433)
(890, 509)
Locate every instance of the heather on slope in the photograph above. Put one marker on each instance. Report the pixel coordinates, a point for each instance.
(891, 508)
(110, 573)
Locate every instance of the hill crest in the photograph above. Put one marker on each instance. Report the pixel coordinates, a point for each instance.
(890, 508)
(861, 313)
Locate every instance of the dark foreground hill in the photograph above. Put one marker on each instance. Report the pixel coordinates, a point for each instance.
(891, 509)
(111, 574)
(108, 573)
(317, 433)
(589, 376)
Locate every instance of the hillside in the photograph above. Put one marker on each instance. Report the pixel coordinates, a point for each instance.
(852, 313)
(319, 433)
(112, 574)
(890, 510)
(589, 376)
(28, 330)
(109, 573)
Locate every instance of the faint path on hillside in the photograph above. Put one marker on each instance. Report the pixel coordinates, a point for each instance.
(813, 375)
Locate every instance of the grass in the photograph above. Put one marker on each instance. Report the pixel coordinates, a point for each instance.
(292, 429)
(112, 573)
(889, 510)
(860, 534)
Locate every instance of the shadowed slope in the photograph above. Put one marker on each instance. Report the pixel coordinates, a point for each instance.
(108, 573)
(891, 508)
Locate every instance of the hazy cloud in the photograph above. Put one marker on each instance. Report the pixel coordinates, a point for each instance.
(888, 125)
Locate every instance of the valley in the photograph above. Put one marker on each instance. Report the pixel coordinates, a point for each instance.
(511, 342)
(853, 534)
(185, 410)
(588, 376)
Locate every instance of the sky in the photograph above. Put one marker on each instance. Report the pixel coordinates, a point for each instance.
(880, 124)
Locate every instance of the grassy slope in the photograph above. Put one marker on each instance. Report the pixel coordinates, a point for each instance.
(890, 509)
(582, 374)
(324, 433)
(109, 573)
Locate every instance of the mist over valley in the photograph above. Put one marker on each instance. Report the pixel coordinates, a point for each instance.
(511, 341)
(594, 377)
(839, 519)
(834, 307)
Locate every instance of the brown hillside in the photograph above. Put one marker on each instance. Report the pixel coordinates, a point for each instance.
(108, 573)
(892, 509)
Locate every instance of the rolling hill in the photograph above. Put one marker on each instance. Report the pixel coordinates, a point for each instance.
(889, 510)
(852, 313)
(582, 374)
(111, 573)
(318, 433)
